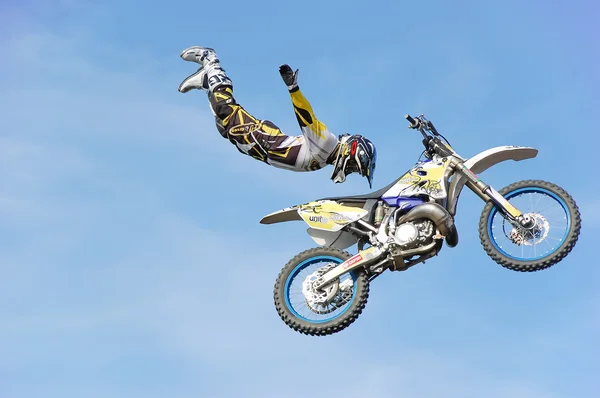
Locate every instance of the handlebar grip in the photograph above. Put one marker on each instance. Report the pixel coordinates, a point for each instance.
(413, 122)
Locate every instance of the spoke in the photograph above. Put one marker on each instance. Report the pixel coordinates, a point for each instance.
(538, 201)
(557, 207)
(552, 205)
(551, 216)
(530, 203)
(313, 311)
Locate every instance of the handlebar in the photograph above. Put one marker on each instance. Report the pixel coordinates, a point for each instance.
(417, 124)
(413, 122)
(421, 123)
(431, 143)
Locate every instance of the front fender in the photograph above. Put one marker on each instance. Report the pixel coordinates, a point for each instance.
(486, 159)
(483, 161)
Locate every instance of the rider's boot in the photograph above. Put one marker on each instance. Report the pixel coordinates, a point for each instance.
(209, 76)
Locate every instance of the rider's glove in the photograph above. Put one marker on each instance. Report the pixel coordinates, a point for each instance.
(290, 78)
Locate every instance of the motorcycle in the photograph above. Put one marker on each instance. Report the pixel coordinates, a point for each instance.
(526, 226)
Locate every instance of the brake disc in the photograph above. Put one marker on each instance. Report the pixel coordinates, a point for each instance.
(336, 293)
(533, 235)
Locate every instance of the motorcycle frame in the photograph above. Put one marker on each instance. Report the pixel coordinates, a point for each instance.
(458, 173)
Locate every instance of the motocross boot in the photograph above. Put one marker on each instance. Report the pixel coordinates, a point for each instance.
(209, 76)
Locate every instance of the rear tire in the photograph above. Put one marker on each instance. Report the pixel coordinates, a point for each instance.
(569, 239)
(285, 309)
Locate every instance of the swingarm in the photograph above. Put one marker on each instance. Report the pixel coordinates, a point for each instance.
(361, 259)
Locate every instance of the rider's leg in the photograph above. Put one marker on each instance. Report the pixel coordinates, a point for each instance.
(212, 78)
(232, 120)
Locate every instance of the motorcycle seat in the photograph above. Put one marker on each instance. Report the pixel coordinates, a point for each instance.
(363, 198)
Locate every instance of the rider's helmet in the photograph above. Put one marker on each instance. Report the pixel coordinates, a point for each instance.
(356, 154)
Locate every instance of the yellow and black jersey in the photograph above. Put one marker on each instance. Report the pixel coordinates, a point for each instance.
(264, 141)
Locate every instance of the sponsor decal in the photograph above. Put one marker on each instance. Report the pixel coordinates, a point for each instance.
(239, 129)
(409, 179)
(353, 260)
(336, 217)
(319, 219)
(474, 175)
(369, 255)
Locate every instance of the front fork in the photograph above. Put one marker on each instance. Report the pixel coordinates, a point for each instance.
(486, 192)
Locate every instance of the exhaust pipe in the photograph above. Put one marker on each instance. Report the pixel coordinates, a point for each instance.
(440, 216)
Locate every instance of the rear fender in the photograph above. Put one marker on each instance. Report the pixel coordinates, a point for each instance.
(339, 239)
(483, 161)
(326, 215)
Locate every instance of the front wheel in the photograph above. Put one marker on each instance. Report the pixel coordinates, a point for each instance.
(319, 312)
(555, 227)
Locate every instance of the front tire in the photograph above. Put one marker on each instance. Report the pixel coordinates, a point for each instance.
(560, 240)
(325, 323)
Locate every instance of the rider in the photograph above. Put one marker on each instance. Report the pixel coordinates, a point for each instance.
(263, 140)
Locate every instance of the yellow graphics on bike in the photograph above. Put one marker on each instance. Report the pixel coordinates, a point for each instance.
(425, 178)
(329, 215)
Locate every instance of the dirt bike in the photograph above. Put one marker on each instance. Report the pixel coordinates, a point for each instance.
(323, 290)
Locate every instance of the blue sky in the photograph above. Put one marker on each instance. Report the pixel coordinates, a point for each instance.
(132, 263)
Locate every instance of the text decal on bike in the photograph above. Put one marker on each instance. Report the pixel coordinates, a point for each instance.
(353, 260)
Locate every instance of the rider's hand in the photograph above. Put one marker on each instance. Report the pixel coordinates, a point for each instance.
(290, 78)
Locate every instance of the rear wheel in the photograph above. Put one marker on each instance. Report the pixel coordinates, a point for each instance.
(554, 230)
(319, 312)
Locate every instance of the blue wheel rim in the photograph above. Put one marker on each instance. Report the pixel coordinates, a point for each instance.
(299, 268)
(518, 192)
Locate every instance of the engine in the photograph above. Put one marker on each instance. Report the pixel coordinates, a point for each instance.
(414, 233)
(414, 236)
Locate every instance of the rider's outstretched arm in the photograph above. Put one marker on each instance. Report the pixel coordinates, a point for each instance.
(321, 141)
